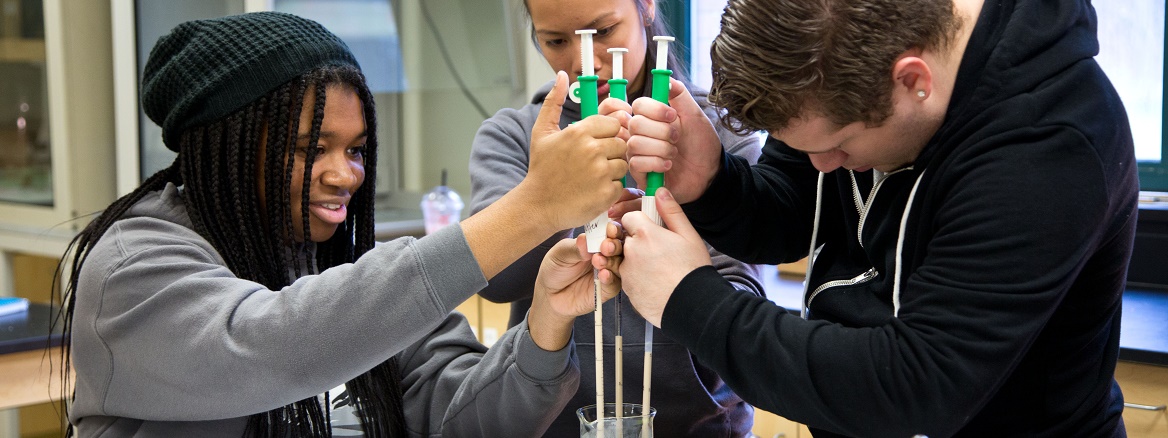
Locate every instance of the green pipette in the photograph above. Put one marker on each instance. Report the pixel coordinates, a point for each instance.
(660, 92)
(589, 101)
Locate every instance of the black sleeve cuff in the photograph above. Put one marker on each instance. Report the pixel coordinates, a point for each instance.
(689, 310)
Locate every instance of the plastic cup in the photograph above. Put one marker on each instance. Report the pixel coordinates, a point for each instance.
(440, 207)
(632, 424)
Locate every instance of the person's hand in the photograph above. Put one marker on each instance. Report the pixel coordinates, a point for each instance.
(574, 173)
(565, 289)
(677, 139)
(619, 110)
(630, 200)
(656, 258)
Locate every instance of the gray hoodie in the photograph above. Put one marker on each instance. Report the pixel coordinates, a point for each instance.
(691, 400)
(167, 342)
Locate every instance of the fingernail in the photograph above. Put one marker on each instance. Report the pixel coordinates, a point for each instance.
(664, 194)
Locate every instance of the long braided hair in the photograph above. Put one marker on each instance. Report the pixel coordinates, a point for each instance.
(217, 168)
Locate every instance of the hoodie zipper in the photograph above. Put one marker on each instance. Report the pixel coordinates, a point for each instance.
(864, 207)
(864, 277)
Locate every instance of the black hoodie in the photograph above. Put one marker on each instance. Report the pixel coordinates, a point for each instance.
(976, 292)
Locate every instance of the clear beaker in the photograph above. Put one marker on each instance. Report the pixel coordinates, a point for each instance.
(632, 424)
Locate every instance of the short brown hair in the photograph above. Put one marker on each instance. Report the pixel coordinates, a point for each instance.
(775, 59)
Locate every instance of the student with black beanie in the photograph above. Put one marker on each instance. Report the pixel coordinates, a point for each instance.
(233, 289)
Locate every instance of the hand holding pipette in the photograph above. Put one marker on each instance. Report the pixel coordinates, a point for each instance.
(564, 287)
(595, 229)
(661, 74)
(656, 259)
(589, 106)
(678, 138)
(574, 174)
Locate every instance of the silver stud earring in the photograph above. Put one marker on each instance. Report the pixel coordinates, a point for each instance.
(921, 94)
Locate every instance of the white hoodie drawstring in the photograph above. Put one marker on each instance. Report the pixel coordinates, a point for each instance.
(900, 247)
(811, 252)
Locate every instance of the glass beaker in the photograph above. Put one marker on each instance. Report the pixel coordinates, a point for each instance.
(632, 424)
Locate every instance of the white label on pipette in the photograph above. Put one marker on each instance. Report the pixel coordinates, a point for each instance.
(594, 232)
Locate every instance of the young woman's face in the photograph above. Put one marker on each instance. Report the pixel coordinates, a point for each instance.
(339, 167)
(617, 24)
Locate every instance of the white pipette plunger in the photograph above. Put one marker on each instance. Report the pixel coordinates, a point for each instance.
(586, 56)
(618, 62)
(593, 231)
(587, 62)
(663, 51)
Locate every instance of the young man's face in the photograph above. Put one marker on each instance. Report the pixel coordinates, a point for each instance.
(338, 169)
(894, 144)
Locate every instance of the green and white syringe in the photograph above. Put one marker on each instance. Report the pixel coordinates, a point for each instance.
(660, 93)
(595, 230)
(654, 181)
(590, 106)
(616, 90)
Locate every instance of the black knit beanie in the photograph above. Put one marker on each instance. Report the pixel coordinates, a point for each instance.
(204, 70)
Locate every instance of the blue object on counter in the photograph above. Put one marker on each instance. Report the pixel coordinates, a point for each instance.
(13, 305)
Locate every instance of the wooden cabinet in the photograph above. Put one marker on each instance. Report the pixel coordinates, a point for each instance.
(487, 319)
(56, 135)
(1145, 385)
(56, 123)
(768, 425)
(1141, 383)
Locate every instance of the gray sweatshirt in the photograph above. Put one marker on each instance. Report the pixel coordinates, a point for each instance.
(691, 400)
(167, 342)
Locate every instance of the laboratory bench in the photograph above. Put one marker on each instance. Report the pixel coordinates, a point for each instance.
(393, 222)
(24, 360)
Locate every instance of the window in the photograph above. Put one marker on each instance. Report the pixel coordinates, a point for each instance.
(1131, 51)
(153, 19)
(370, 30)
(25, 159)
